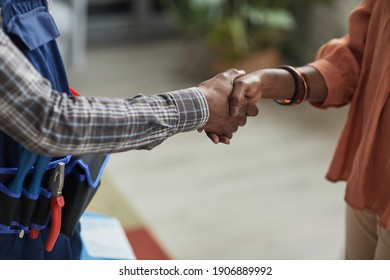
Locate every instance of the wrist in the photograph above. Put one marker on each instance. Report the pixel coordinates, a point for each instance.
(301, 89)
(279, 84)
(192, 108)
(276, 84)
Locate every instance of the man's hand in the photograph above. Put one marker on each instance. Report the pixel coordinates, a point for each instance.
(221, 124)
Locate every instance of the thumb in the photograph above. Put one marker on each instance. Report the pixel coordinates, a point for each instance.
(251, 108)
(236, 99)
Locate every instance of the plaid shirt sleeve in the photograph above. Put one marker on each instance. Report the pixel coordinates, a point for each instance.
(52, 123)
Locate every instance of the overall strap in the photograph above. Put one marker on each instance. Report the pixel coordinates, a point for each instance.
(32, 29)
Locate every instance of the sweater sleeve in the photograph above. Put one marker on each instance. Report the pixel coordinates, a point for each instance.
(339, 60)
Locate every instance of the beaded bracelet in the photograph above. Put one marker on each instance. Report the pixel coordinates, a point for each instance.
(301, 87)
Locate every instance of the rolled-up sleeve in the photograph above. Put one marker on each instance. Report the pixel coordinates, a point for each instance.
(339, 60)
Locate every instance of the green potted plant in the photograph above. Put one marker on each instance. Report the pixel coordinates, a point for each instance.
(246, 34)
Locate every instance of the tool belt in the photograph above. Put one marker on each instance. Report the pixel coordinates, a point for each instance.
(32, 29)
(24, 211)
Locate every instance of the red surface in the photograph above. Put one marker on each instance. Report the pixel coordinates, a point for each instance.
(144, 245)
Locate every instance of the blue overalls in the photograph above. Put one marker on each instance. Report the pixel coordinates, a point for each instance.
(33, 30)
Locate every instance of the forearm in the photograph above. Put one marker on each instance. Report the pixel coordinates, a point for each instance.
(317, 89)
(279, 84)
(62, 125)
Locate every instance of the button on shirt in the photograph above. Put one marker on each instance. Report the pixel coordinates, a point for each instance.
(52, 123)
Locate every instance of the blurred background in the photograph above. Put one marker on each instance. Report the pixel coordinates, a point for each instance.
(262, 197)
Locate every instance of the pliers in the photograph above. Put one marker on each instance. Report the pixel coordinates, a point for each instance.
(56, 203)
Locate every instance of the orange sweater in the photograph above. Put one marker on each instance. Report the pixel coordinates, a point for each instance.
(356, 69)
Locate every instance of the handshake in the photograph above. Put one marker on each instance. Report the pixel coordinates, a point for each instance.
(231, 97)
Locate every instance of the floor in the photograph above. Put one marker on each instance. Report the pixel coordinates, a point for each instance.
(262, 197)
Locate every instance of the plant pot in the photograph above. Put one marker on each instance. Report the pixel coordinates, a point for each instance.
(266, 58)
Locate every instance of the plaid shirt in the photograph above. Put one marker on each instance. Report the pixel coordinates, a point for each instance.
(52, 123)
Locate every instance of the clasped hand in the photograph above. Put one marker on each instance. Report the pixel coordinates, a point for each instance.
(226, 111)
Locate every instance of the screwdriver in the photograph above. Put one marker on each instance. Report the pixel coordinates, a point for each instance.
(36, 184)
(26, 161)
(39, 170)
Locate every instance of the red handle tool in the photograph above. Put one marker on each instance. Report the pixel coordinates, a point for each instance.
(56, 204)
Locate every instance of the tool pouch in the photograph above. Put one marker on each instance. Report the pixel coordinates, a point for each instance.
(81, 183)
(8, 205)
(26, 210)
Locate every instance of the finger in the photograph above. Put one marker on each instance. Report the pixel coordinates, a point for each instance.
(224, 140)
(248, 108)
(251, 109)
(229, 135)
(242, 121)
(214, 137)
(219, 139)
(236, 99)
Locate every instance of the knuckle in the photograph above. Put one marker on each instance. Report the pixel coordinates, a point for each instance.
(234, 71)
(240, 82)
(225, 75)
